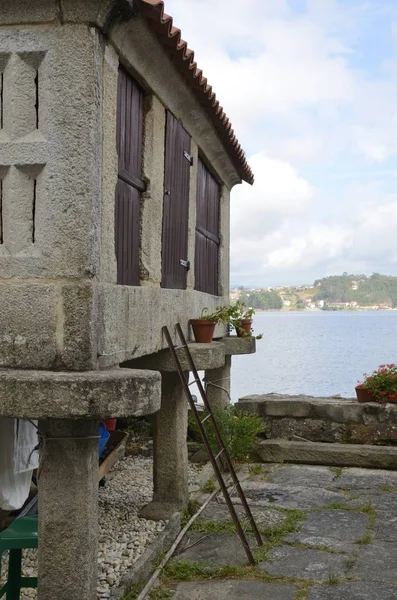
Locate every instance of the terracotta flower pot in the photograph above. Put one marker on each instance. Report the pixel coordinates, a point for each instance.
(111, 424)
(245, 327)
(365, 395)
(203, 330)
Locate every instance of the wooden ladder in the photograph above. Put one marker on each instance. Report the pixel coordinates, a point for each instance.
(221, 452)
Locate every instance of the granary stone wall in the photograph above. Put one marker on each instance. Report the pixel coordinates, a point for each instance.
(61, 307)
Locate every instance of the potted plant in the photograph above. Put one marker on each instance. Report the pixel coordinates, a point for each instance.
(204, 327)
(239, 317)
(379, 386)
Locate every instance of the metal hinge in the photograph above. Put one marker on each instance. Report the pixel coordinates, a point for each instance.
(185, 263)
(188, 157)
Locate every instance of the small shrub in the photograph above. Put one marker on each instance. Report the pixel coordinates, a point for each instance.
(238, 430)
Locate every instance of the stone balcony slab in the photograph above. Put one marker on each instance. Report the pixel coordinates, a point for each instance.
(239, 345)
(205, 356)
(79, 395)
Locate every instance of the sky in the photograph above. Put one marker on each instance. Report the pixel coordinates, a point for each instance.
(311, 89)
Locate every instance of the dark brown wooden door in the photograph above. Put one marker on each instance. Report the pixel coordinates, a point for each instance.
(176, 205)
(206, 264)
(129, 185)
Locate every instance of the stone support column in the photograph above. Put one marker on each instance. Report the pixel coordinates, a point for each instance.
(68, 513)
(170, 460)
(219, 398)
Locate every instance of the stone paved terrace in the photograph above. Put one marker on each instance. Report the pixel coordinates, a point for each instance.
(329, 534)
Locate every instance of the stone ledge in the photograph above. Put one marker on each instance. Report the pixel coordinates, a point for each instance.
(239, 345)
(335, 409)
(79, 395)
(343, 455)
(205, 356)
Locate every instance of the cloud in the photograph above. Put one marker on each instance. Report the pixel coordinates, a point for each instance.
(311, 90)
(279, 193)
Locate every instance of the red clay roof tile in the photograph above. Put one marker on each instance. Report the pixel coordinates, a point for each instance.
(170, 37)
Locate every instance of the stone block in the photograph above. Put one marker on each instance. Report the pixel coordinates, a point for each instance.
(214, 550)
(377, 563)
(354, 590)
(79, 395)
(337, 530)
(287, 408)
(349, 455)
(342, 411)
(28, 324)
(58, 146)
(17, 13)
(80, 327)
(239, 345)
(314, 430)
(205, 356)
(304, 563)
(102, 13)
(232, 589)
(133, 318)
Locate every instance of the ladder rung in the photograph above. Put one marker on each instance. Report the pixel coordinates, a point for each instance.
(194, 381)
(179, 346)
(205, 418)
(219, 453)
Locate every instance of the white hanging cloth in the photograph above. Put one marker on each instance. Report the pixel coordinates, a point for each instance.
(18, 459)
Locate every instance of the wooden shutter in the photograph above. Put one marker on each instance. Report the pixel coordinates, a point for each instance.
(129, 186)
(176, 205)
(206, 265)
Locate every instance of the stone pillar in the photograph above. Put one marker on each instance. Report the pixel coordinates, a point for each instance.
(170, 460)
(68, 513)
(217, 397)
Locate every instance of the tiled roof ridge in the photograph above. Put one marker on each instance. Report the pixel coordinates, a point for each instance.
(162, 23)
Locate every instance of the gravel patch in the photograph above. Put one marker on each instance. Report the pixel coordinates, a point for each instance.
(123, 536)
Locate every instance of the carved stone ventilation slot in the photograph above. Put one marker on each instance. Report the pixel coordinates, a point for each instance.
(34, 211)
(36, 81)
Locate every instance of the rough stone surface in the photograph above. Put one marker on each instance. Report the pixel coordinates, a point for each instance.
(337, 530)
(170, 465)
(335, 551)
(365, 479)
(28, 321)
(234, 590)
(68, 511)
(377, 562)
(217, 384)
(332, 454)
(304, 476)
(205, 356)
(266, 518)
(304, 563)
(324, 419)
(354, 590)
(90, 394)
(285, 496)
(235, 345)
(215, 549)
(385, 529)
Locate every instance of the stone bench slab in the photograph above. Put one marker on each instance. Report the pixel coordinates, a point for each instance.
(79, 395)
(315, 453)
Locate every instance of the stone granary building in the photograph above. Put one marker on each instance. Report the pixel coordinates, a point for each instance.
(116, 165)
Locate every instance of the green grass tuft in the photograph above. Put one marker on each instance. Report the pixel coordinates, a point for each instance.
(255, 470)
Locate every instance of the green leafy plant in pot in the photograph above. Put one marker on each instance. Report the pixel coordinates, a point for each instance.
(379, 386)
(239, 317)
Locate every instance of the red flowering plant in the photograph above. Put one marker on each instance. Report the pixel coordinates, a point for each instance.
(382, 383)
